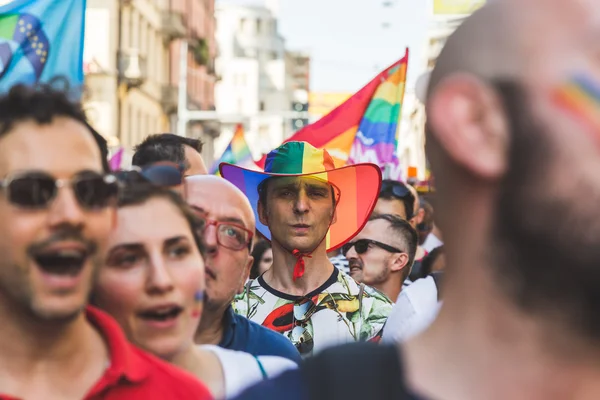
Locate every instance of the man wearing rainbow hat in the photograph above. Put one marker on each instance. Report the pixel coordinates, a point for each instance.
(306, 208)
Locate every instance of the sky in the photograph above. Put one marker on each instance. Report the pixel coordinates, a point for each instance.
(347, 42)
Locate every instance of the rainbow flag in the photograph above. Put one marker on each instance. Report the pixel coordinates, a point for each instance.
(376, 139)
(237, 152)
(374, 110)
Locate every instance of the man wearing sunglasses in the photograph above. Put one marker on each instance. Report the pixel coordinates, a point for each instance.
(228, 238)
(57, 208)
(382, 254)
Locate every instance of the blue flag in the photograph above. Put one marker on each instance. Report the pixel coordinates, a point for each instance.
(41, 40)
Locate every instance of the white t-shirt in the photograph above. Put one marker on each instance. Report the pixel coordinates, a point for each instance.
(416, 308)
(242, 370)
(431, 242)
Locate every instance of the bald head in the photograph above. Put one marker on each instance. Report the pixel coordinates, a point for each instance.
(217, 196)
(502, 124)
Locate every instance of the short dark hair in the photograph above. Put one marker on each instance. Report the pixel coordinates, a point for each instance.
(42, 103)
(137, 191)
(387, 193)
(164, 147)
(405, 233)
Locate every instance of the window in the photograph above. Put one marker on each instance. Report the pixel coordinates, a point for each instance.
(262, 106)
(258, 26)
(242, 24)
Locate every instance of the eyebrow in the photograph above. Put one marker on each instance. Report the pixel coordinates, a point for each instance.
(175, 240)
(233, 220)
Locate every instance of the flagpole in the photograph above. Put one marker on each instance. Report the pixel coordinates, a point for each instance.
(182, 110)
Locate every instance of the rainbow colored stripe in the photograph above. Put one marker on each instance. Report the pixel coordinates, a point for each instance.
(378, 129)
(581, 98)
(358, 185)
(374, 111)
(237, 152)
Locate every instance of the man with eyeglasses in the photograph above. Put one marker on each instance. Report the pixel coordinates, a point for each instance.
(57, 208)
(228, 235)
(382, 254)
(307, 207)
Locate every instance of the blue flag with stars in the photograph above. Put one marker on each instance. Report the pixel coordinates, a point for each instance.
(41, 40)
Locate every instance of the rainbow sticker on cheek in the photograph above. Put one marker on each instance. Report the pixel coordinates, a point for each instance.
(198, 301)
(580, 97)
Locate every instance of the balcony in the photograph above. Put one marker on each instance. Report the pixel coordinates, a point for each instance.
(132, 68)
(169, 98)
(173, 25)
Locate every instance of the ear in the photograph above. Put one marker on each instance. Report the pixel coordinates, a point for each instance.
(468, 120)
(334, 216)
(246, 274)
(262, 214)
(399, 262)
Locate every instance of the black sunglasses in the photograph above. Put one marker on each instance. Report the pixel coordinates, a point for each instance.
(400, 191)
(362, 246)
(160, 174)
(37, 189)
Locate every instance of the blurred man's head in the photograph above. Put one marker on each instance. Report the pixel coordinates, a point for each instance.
(395, 198)
(57, 205)
(506, 134)
(227, 236)
(382, 254)
(173, 148)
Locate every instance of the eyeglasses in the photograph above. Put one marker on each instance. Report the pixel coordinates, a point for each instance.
(231, 236)
(362, 246)
(37, 189)
(300, 336)
(161, 173)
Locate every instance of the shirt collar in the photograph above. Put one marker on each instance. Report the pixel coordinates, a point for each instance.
(229, 322)
(124, 361)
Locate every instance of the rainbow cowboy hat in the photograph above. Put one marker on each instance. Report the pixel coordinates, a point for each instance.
(358, 186)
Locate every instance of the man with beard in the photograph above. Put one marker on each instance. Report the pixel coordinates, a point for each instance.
(382, 253)
(228, 241)
(307, 207)
(57, 208)
(513, 139)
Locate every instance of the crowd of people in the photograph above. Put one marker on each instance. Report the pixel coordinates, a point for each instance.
(311, 281)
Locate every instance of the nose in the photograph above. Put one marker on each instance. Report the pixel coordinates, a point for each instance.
(210, 240)
(351, 253)
(301, 204)
(159, 276)
(65, 209)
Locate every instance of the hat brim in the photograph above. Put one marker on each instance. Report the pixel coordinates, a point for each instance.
(359, 187)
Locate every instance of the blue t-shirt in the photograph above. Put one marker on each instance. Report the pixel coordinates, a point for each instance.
(356, 371)
(241, 334)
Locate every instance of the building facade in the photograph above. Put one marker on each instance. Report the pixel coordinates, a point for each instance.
(131, 79)
(254, 81)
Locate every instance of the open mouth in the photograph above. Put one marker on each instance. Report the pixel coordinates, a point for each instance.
(161, 314)
(62, 262)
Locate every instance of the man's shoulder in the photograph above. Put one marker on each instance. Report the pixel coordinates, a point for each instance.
(368, 291)
(167, 381)
(268, 342)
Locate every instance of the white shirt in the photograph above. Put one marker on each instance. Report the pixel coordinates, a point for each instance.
(431, 242)
(241, 370)
(416, 308)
